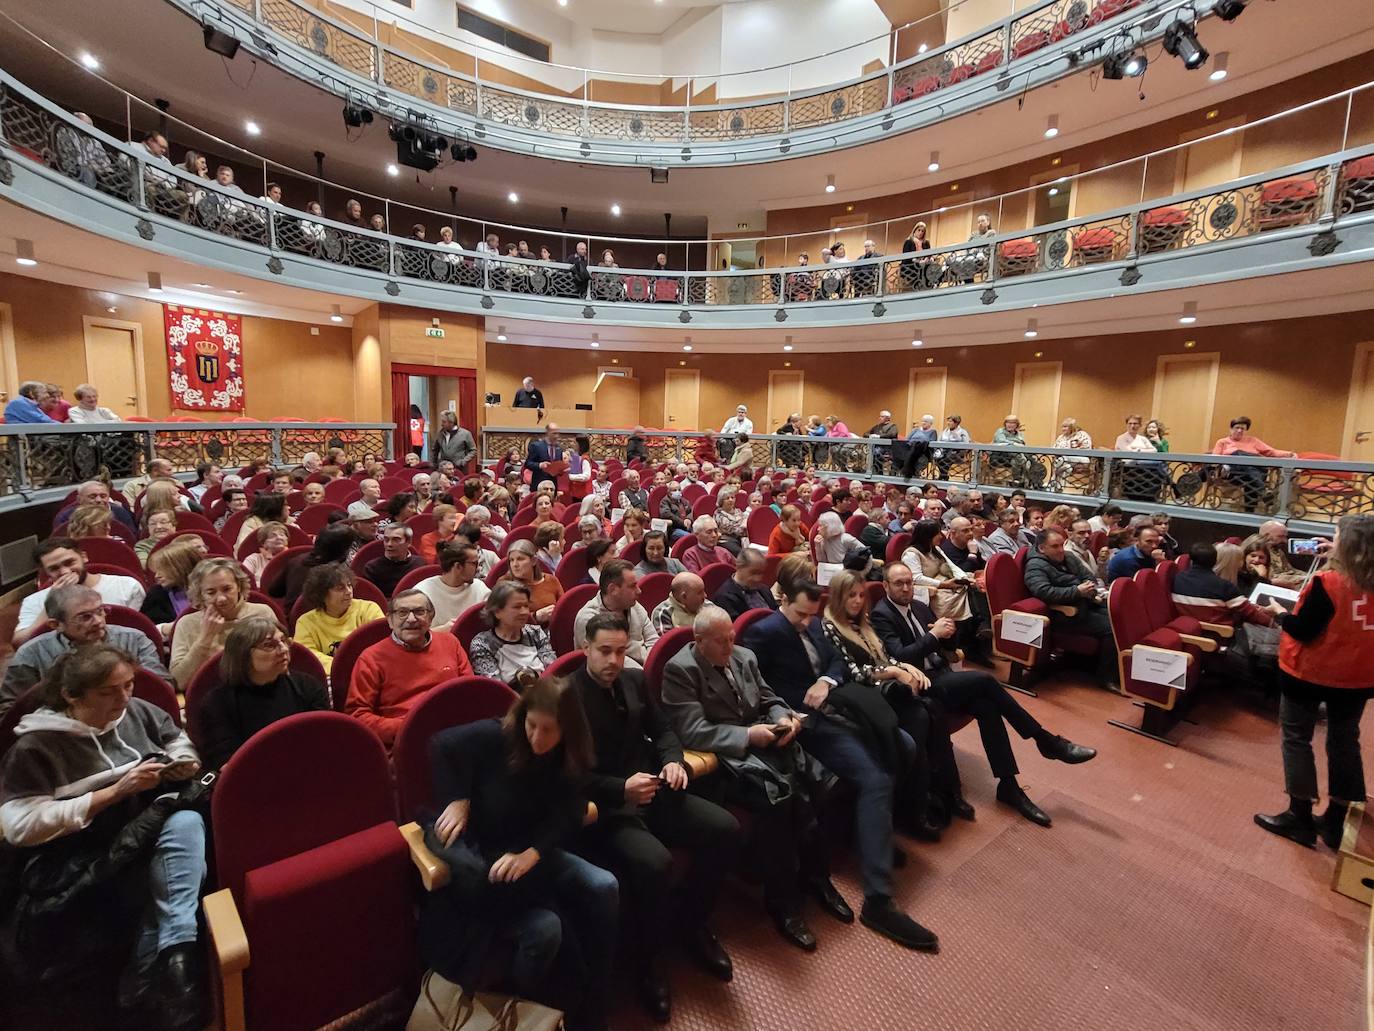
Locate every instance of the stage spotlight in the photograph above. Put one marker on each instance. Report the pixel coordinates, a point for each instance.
(217, 41)
(1229, 10)
(658, 174)
(1181, 41)
(355, 116)
(1124, 66)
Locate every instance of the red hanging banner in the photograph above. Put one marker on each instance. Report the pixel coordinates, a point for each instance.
(204, 358)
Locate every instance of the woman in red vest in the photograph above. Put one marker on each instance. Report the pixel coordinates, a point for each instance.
(417, 430)
(1326, 654)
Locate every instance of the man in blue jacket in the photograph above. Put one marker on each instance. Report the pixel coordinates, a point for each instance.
(543, 451)
(801, 665)
(27, 406)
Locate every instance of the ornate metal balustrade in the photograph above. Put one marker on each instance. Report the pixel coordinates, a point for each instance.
(980, 63)
(1234, 489)
(1324, 191)
(41, 457)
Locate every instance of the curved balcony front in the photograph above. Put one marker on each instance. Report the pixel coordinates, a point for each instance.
(1314, 213)
(1041, 44)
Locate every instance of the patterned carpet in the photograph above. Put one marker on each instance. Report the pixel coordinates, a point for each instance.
(1153, 903)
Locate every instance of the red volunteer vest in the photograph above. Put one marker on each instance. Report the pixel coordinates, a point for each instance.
(1343, 656)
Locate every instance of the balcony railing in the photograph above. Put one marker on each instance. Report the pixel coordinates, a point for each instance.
(555, 124)
(36, 458)
(1235, 489)
(1318, 191)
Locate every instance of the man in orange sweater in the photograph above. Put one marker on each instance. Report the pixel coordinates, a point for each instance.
(391, 677)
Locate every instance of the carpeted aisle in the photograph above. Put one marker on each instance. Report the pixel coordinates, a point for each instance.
(1153, 903)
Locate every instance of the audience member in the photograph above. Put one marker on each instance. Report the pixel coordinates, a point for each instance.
(94, 521)
(655, 556)
(218, 591)
(515, 648)
(548, 540)
(546, 457)
(331, 611)
(1200, 592)
(1143, 554)
(273, 539)
(1279, 571)
(170, 567)
(791, 534)
(707, 550)
(677, 511)
(718, 702)
(95, 492)
(27, 405)
(160, 525)
(87, 408)
(633, 495)
(332, 544)
(639, 784)
(510, 801)
(268, 507)
(257, 687)
(391, 676)
(544, 588)
(619, 593)
(457, 587)
(747, 588)
(62, 563)
(686, 597)
(396, 560)
(1240, 441)
(1059, 582)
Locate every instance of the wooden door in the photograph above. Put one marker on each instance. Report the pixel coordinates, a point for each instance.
(114, 363)
(1035, 400)
(9, 367)
(1209, 162)
(1357, 443)
(925, 395)
(785, 389)
(681, 399)
(1185, 393)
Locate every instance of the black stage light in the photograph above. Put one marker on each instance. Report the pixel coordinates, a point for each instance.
(218, 41)
(458, 152)
(470, 152)
(1181, 41)
(1124, 66)
(355, 117)
(658, 174)
(1229, 10)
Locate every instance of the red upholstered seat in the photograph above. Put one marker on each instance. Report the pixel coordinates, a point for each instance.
(705, 504)
(274, 573)
(207, 680)
(653, 589)
(1159, 607)
(760, 525)
(856, 524)
(659, 655)
(314, 518)
(634, 551)
(517, 533)
(924, 85)
(364, 590)
(450, 704)
(572, 568)
(1030, 43)
(369, 551)
(421, 524)
(415, 576)
(346, 655)
(1287, 202)
(111, 551)
(319, 874)
(964, 71)
(468, 625)
(1293, 189)
(989, 61)
(1109, 9)
(1166, 217)
(214, 543)
(565, 611)
(683, 543)
(566, 665)
(896, 544)
(715, 574)
(1094, 244)
(118, 615)
(693, 491)
(1131, 627)
(339, 490)
(152, 688)
(747, 619)
(497, 572)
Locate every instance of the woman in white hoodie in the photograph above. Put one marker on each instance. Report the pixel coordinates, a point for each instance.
(89, 761)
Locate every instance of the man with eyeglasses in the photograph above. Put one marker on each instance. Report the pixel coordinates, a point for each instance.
(456, 589)
(391, 677)
(77, 615)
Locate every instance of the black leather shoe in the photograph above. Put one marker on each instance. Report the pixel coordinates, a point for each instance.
(1331, 825)
(959, 807)
(1064, 750)
(924, 830)
(180, 996)
(1009, 793)
(879, 914)
(1295, 826)
(706, 949)
(831, 900)
(793, 929)
(655, 994)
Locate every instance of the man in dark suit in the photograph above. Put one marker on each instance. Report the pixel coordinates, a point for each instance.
(911, 633)
(719, 703)
(746, 589)
(794, 654)
(639, 786)
(542, 451)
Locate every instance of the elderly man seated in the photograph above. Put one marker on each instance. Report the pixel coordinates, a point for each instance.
(158, 469)
(1008, 537)
(62, 563)
(619, 593)
(76, 614)
(93, 492)
(748, 588)
(371, 499)
(396, 560)
(707, 550)
(1057, 580)
(718, 702)
(633, 495)
(391, 677)
(686, 598)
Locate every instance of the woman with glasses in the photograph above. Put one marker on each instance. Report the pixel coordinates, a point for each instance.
(258, 687)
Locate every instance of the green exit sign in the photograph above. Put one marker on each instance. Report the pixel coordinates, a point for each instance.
(435, 331)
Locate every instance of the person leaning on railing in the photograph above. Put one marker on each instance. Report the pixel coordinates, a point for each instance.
(1240, 441)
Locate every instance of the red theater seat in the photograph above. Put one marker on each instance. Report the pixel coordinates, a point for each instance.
(1131, 627)
(1287, 202)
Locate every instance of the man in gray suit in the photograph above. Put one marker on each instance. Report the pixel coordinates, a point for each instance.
(718, 702)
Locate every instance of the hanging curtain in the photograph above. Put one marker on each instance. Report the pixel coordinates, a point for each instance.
(467, 413)
(400, 412)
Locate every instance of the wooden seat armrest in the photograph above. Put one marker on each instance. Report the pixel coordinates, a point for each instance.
(230, 944)
(434, 872)
(1065, 610)
(1220, 629)
(699, 764)
(1206, 644)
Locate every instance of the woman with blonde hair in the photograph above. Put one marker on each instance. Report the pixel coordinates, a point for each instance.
(218, 589)
(90, 521)
(164, 494)
(732, 523)
(1230, 559)
(171, 568)
(795, 569)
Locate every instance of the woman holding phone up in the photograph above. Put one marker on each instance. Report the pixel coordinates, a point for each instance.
(1326, 654)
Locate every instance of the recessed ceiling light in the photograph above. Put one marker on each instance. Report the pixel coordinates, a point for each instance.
(1052, 127)
(334, 314)
(934, 165)
(1189, 315)
(1219, 62)
(1054, 191)
(513, 197)
(916, 340)
(392, 170)
(687, 346)
(251, 128)
(23, 252)
(90, 61)
(787, 344)
(830, 184)
(1032, 329)
(500, 334)
(596, 343)
(615, 209)
(155, 282)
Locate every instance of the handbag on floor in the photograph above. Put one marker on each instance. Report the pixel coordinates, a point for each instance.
(444, 1006)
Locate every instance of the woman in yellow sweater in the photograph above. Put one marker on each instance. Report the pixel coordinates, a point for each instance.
(332, 611)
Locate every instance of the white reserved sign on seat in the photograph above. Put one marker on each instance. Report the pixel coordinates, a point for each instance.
(660, 525)
(1159, 666)
(1022, 628)
(825, 572)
